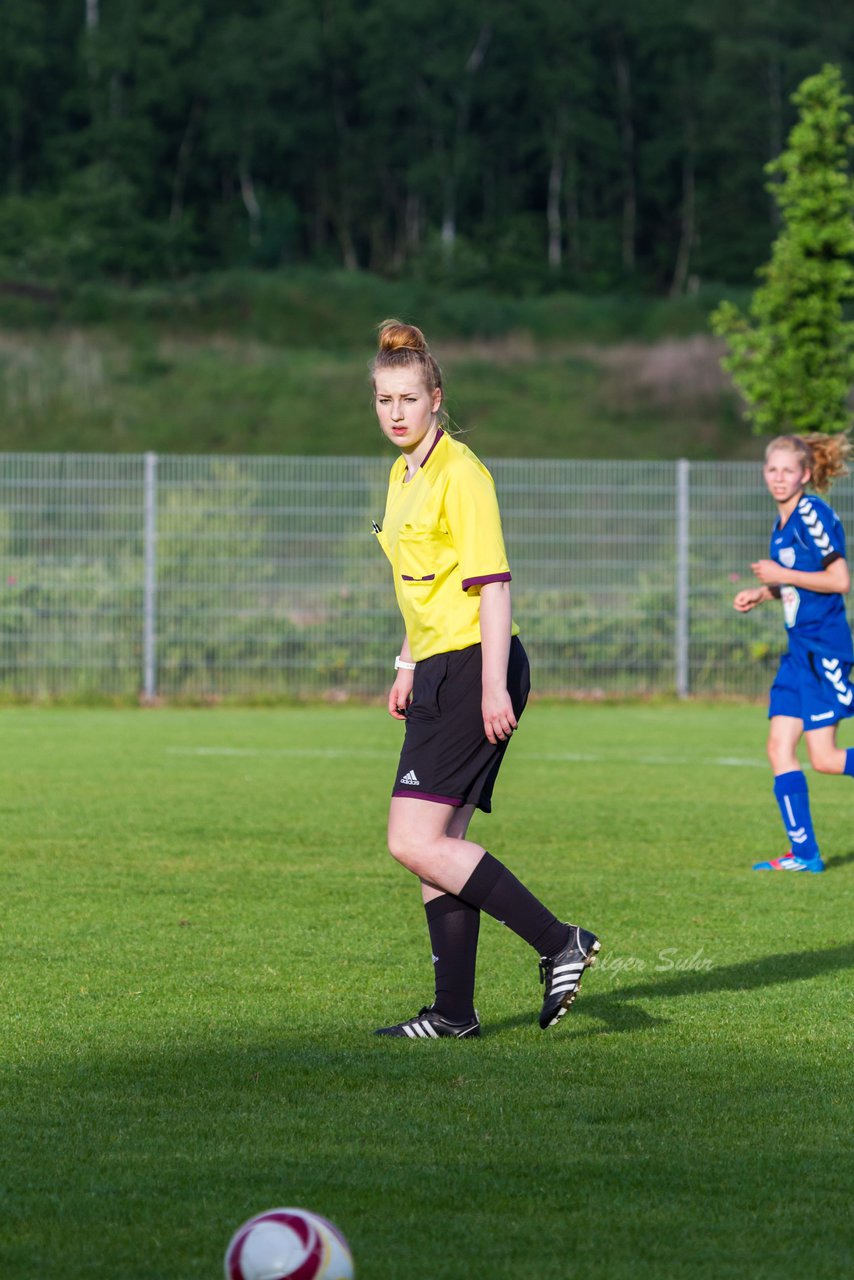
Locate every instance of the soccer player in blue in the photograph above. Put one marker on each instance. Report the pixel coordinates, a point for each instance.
(807, 571)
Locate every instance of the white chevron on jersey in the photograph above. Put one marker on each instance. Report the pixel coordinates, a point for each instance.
(813, 524)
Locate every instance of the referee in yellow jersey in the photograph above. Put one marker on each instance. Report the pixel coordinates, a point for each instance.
(462, 680)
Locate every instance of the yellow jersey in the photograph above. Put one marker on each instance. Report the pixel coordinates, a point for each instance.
(442, 534)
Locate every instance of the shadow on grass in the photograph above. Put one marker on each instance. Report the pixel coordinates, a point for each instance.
(616, 1012)
(841, 860)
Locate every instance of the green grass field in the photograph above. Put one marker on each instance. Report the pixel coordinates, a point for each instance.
(201, 929)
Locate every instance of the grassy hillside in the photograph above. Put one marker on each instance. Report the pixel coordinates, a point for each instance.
(277, 363)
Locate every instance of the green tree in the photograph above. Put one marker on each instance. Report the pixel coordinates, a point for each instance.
(793, 358)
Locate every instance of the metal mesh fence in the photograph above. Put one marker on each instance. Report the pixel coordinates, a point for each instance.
(259, 577)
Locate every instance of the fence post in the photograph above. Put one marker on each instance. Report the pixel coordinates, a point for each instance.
(683, 514)
(149, 593)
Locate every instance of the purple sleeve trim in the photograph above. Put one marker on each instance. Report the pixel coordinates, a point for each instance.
(409, 794)
(482, 581)
(831, 558)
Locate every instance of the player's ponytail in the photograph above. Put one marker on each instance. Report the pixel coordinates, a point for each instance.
(402, 346)
(824, 456)
(830, 454)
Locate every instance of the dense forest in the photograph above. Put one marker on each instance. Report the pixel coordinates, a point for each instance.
(523, 145)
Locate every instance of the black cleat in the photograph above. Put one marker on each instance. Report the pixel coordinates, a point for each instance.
(562, 973)
(429, 1025)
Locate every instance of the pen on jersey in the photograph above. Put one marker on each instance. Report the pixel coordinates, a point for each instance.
(376, 528)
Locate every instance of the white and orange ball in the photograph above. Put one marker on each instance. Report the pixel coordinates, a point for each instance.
(288, 1244)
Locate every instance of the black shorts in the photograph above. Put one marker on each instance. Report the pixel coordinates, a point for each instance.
(446, 756)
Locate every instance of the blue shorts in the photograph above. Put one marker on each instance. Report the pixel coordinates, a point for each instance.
(812, 687)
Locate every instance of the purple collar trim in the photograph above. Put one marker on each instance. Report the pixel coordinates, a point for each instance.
(439, 435)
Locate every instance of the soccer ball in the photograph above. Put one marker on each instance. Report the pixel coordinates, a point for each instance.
(288, 1244)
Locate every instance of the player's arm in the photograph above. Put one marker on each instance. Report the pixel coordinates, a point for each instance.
(833, 579)
(495, 624)
(750, 598)
(400, 693)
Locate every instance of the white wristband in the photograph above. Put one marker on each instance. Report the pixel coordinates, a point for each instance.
(406, 666)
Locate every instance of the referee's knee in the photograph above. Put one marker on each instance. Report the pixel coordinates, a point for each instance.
(407, 848)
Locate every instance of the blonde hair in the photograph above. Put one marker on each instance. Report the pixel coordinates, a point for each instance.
(404, 346)
(822, 455)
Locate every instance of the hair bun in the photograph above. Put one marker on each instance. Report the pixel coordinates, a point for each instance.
(394, 335)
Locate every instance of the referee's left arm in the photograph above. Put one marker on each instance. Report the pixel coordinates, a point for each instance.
(495, 625)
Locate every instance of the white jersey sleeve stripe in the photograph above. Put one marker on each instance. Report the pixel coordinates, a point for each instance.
(815, 528)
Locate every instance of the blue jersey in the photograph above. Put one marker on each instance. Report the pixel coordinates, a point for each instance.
(811, 539)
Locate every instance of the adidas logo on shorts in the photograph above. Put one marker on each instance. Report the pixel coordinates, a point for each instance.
(410, 780)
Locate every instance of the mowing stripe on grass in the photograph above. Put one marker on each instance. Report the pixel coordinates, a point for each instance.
(559, 757)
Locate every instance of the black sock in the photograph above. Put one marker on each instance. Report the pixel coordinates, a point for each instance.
(454, 928)
(497, 891)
